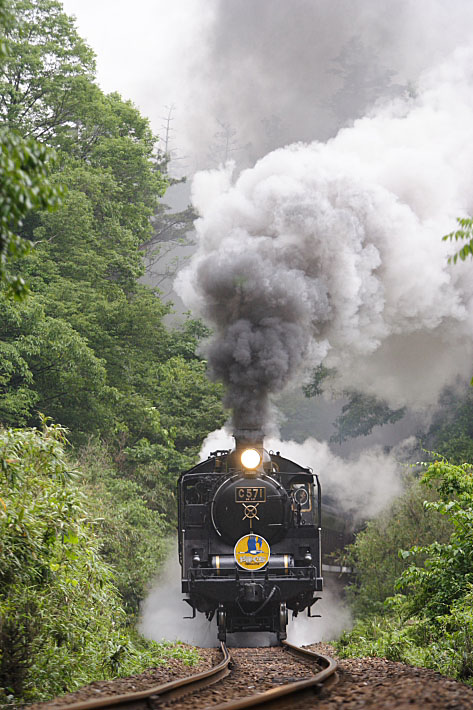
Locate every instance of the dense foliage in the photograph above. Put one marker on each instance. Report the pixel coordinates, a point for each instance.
(430, 620)
(89, 347)
(375, 555)
(451, 431)
(62, 621)
(133, 530)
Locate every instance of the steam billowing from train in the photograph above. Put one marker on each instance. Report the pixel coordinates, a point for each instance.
(332, 253)
(261, 75)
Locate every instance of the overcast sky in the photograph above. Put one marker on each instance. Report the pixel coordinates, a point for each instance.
(144, 48)
(247, 76)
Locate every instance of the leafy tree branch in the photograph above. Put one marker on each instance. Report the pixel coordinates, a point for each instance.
(464, 233)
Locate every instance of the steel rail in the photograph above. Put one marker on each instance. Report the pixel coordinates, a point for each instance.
(299, 686)
(160, 693)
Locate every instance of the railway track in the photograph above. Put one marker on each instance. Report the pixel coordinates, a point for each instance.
(289, 691)
(170, 692)
(163, 693)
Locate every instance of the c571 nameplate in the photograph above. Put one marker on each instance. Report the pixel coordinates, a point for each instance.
(250, 494)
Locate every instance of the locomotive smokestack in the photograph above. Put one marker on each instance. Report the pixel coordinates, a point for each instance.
(245, 438)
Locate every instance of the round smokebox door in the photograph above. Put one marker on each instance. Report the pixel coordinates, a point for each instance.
(258, 505)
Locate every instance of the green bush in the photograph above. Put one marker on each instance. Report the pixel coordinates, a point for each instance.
(133, 534)
(447, 574)
(61, 619)
(429, 622)
(375, 552)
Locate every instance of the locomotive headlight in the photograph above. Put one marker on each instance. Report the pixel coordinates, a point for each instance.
(250, 458)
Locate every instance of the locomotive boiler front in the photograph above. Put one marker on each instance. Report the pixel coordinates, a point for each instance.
(259, 505)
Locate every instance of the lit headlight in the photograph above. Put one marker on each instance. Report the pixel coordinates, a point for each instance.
(250, 458)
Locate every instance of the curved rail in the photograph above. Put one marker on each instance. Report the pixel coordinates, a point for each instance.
(299, 686)
(161, 693)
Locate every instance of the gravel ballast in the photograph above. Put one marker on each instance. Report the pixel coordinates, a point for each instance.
(363, 683)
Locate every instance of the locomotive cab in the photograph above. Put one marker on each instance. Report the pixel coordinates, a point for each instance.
(250, 538)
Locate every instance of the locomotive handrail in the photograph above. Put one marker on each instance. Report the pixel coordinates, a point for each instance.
(319, 526)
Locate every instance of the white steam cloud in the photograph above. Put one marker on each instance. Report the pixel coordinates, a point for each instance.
(360, 485)
(164, 610)
(332, 253)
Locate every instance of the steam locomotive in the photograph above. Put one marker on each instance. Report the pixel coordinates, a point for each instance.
(250, 538)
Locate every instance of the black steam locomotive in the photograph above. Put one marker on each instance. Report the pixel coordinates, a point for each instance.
(250, 538)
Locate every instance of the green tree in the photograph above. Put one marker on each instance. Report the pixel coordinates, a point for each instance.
(24, 183)
(134, 533)
(57, 601)
(374, 553)
(361, 414)
(430, 622)
(47, 365)
(314, 388)
(90, 346)
(45, 71)
(171, 234)
(451, 431)
(62, 624)
(447, 574)
(47, 92)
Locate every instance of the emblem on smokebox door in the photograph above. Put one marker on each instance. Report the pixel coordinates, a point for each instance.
(252, 552)
(251, 511)
(250, 497)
